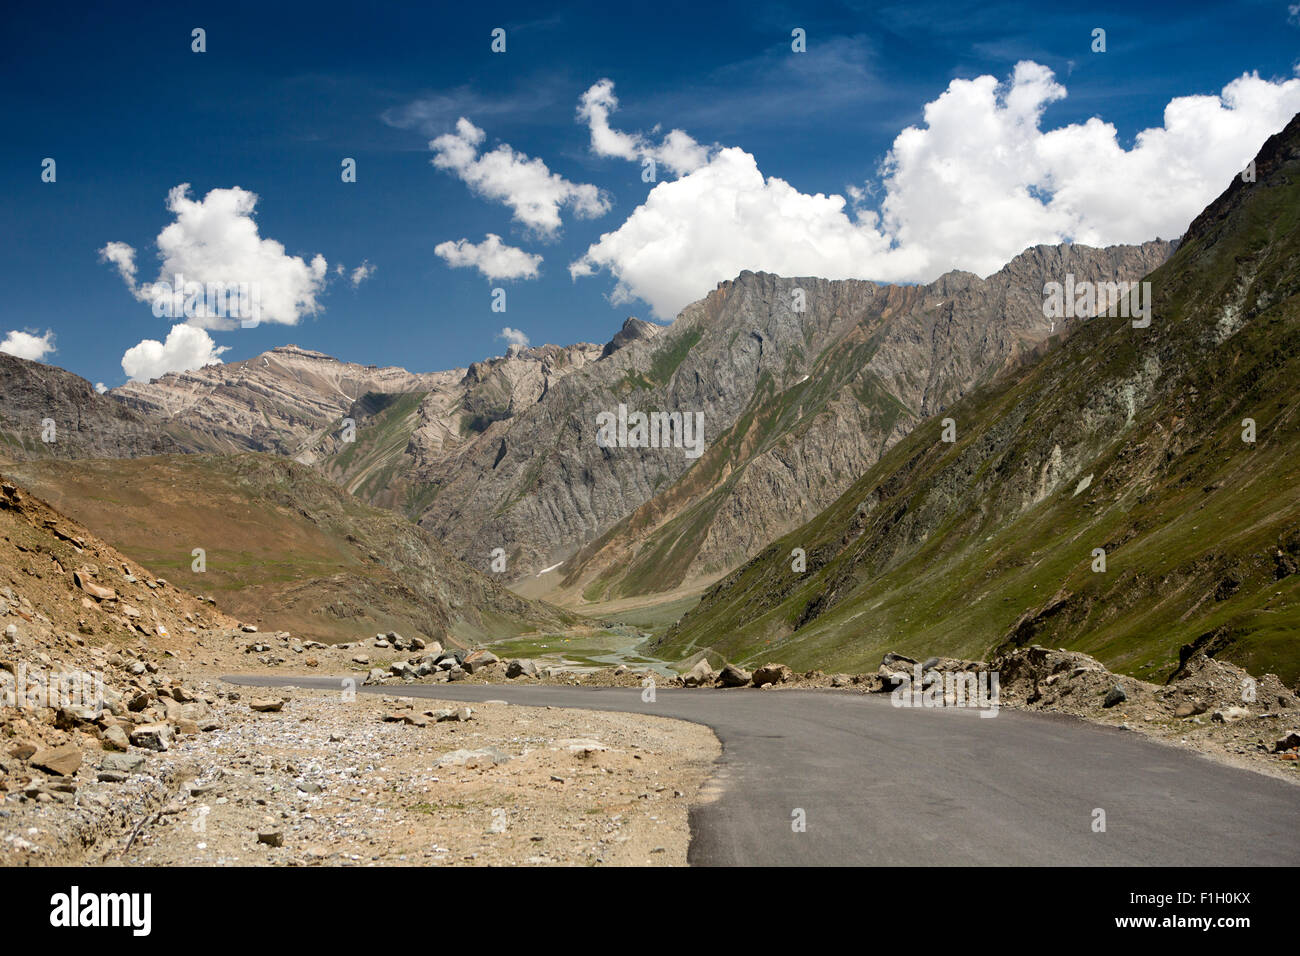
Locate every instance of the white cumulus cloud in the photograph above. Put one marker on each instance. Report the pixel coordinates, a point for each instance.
(187, 347)
(492, 257)
(527, 186)
(28, 345)
(971, 188)
(726, 217)
(215, 240)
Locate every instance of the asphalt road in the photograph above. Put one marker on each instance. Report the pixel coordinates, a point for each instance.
(880, 785)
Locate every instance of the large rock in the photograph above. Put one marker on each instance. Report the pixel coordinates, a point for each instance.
(97, 591)
(157, 736)
(1288, 741)
(772, 674)
(478, 660)
(521, 668)
(733, 676)
(473, 759)
(63, 760)
(122, 763)
(1229, 715)
(68, 718)
(699, 675)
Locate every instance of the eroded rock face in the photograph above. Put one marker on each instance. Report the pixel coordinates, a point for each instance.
(282, 401)
(464, 411)
(795, 405)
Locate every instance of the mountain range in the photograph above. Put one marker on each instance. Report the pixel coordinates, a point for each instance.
(924, 468)
(802, 384)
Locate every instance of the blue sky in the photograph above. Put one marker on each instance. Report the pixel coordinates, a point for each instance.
(284, 92)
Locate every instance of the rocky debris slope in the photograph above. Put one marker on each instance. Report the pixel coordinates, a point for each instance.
(119, 745)
(1210, 706)
(392, 659)
(93, 682)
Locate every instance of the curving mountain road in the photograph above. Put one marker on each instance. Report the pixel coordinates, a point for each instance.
(881, 785)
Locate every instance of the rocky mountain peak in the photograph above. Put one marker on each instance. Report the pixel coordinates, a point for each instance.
(633, 330)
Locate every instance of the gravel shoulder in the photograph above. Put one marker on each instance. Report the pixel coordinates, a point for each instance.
(373, 780)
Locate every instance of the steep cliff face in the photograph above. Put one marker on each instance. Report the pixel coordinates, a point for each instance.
(1134, 494)
(802, 383)
(401, 439)
(46, 412)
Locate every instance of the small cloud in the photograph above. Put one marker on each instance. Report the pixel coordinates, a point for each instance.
(513, 337)
(435, 113)
(187, 347)
(1293, 14)
(362, 272)
(101, 387)
(525, 185)
(677, 151)
(27, 345)
(122, 256)
(492, 257)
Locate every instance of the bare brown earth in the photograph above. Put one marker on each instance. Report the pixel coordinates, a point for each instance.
(283, 548)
